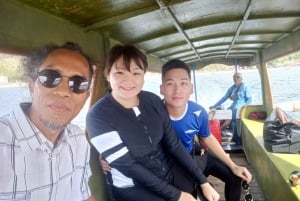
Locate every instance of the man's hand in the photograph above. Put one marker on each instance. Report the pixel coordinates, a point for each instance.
(209, 192)
(243, 173)
(105, 167)
(212, 108)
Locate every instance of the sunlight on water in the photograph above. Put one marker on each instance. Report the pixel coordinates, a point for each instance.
(11, 96)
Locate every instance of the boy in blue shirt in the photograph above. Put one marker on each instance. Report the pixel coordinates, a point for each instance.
(190, 119)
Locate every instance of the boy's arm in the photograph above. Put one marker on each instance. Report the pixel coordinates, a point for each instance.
(216, 148)
(104, 165)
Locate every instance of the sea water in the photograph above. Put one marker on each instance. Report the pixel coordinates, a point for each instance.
(208, 89)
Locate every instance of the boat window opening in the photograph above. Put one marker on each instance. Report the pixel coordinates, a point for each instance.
(211, 85)
(214, 80)
(284, 75)
(12, 89)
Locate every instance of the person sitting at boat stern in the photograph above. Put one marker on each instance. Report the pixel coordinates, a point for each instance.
(190, 120)
(240, 94)
(44, 156)
(132, 131)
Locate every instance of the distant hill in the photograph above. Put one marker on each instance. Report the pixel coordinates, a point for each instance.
(10, 65)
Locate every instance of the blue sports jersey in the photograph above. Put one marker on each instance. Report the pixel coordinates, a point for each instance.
(193, 121)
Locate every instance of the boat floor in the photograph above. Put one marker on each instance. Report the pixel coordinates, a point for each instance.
(230, 146)
(240, 159)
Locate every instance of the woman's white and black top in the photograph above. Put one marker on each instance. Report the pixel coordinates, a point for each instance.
(139, 144)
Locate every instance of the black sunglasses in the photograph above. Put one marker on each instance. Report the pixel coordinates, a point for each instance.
(248, 195)
(50, 78)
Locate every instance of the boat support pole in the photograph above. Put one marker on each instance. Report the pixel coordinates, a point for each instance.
(195, 86)
(235, 65)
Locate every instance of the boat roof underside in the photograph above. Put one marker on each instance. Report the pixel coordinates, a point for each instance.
(200, 32)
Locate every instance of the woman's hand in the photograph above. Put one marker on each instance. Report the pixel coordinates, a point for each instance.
(209, 192)
(184, 196)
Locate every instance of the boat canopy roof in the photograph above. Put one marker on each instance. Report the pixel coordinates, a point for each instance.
(196, 31)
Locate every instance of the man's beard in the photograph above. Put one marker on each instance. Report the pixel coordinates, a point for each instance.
(52, 125)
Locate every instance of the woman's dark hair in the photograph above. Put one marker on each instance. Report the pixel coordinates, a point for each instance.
(128, 52)
(33, 62)
(174, 64)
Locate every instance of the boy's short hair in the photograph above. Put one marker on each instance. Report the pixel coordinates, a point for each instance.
(174, 64)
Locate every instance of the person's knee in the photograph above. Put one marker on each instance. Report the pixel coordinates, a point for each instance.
(226, 123)
(235, 180)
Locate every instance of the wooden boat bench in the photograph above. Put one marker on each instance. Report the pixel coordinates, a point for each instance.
(272, 169)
